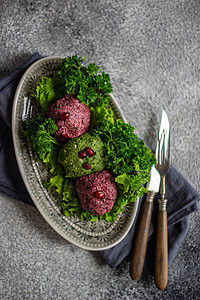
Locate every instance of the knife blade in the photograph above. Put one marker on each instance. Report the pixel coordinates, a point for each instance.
(140, 245)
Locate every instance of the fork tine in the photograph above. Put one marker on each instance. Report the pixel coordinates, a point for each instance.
(161, 153)
(163, 148)
(157, 151)
(168, 150)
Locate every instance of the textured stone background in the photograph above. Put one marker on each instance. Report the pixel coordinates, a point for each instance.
(151, 49)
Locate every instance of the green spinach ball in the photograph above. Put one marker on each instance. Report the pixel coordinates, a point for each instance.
(82, 155)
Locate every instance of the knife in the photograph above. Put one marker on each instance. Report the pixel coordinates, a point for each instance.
(139, 248)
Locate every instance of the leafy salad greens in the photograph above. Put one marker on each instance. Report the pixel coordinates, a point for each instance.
(127, 158)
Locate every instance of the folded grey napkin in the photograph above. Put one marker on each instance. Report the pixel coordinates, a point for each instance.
(11, 182)
(182, 201)
(182, 197)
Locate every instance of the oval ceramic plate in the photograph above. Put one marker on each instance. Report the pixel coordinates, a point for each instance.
(99, 235)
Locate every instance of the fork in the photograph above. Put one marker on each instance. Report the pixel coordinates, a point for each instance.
(161, 258)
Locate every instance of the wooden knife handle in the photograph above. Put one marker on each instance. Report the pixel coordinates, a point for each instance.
(161, 259)
(139, 249)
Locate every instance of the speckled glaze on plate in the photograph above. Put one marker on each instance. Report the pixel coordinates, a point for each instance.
(99, 235)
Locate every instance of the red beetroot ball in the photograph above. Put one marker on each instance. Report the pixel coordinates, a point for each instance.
(71, 116)
(97, 192)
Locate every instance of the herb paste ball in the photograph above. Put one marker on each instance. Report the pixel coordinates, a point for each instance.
(82, 155)
(71, 116)
(97, 192)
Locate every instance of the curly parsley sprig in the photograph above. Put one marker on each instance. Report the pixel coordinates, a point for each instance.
(88, 83)
(126, 157)
(39, 132)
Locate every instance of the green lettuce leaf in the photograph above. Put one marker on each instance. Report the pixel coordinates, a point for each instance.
(57, 182)
(47, 91)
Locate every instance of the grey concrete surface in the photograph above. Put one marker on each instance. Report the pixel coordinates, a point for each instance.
(151, 49)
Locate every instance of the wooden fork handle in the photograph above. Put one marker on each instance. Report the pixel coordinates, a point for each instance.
(161, 259)
(140, 245)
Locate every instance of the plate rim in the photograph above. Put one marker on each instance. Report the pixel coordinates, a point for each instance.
(23, 175)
